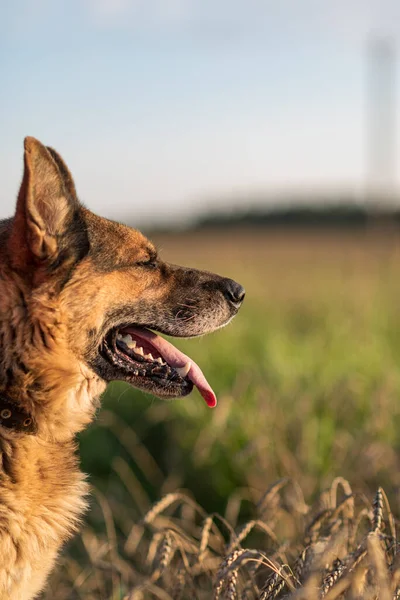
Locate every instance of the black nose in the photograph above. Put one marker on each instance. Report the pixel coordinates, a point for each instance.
(234, 293)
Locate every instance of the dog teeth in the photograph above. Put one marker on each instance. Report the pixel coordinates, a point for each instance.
(183, 371)
(132, 344)
(127, 339)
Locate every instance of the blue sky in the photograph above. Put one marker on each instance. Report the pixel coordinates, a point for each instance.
(166, 108)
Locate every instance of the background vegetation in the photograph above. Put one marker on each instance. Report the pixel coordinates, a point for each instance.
(307, 377)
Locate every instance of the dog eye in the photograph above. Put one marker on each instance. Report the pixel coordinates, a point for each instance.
(151, 263)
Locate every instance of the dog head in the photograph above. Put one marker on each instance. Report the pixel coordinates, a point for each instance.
(82, 298)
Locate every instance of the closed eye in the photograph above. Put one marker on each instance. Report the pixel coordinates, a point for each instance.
(150, 263)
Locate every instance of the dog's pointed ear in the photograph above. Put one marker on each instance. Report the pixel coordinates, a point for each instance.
(47, 207)
(64, 171)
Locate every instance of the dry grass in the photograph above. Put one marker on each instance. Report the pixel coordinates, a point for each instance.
(341, 547)
(308, 382)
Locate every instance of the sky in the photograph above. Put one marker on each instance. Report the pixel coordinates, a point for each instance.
(166, 109)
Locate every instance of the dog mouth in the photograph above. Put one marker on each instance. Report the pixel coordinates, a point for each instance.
(151, 363)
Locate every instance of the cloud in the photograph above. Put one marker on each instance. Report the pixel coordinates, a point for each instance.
(139, 13)
(110, 8)
(353, 19)
(136, 13)
(357, 19)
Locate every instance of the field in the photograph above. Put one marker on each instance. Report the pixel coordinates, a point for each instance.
(308, 382)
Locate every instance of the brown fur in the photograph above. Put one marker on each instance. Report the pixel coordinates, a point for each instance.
(67, 277)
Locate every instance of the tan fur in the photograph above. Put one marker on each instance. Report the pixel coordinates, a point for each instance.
(66, 278)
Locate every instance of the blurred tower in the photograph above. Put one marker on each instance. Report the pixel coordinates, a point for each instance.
(381, 140)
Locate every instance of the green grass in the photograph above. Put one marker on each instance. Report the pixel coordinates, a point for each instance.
(307, 378)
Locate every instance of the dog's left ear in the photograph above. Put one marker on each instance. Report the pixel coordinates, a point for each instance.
(48, 210)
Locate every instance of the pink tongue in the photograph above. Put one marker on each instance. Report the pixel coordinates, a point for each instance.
(176, 358)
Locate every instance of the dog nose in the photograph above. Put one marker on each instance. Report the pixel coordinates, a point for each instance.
(234, 293)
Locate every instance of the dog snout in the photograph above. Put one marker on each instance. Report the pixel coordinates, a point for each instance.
(234, 292)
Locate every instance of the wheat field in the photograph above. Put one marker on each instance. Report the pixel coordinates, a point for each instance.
(278, 492)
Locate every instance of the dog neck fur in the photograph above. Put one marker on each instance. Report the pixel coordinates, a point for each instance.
(33, 340)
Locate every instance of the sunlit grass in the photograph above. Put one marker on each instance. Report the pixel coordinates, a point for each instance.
(307, 377)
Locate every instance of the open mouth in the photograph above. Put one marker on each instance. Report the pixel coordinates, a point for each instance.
(150, 362)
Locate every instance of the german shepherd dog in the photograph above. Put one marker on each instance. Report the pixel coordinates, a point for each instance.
(80, 300)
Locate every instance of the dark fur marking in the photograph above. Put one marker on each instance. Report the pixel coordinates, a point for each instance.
(7, 464)
(13, 334)
(22, 366)
(43, 336)
(23, 302)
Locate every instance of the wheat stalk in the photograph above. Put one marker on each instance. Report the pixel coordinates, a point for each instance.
(185, 560)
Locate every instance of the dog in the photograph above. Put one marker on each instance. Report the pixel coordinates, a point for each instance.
(81, 300)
